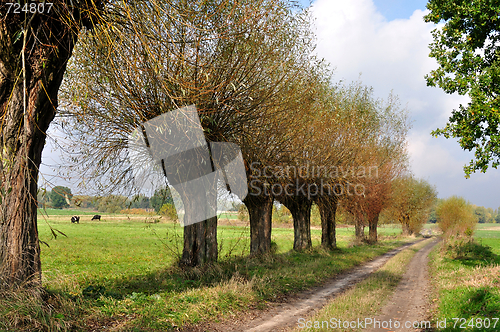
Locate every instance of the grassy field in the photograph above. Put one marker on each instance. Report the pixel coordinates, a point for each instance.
(467, 288)
(120, 246)
(122, 272)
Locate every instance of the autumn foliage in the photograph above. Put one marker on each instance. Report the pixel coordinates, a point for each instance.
(456, 217)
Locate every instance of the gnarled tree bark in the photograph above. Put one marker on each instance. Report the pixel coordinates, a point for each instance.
(327, 209)
(300, 207)
(34, 50)
(359, 230)
(373, 224)
(260, 210)
(405, 224)
(200, 238)
(200, 243)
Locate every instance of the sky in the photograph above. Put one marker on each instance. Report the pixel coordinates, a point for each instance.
(384, 43)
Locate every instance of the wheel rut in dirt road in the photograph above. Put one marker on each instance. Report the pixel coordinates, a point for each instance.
(285, 316)
(409, 304)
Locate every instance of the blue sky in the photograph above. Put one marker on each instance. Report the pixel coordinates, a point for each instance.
(394, 9)
(385, 44)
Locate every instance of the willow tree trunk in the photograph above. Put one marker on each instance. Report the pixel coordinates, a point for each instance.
(300, 207)
(34, 50)
(373, 224)
(405, 224)
(260, 210)
(200, 243)
(327, 210)
(359, 230)
(200, 238)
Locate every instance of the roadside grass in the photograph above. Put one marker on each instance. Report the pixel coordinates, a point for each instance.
(467, 288)
(365, 299)
(123, 274)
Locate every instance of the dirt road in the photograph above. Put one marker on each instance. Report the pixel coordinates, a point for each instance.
(409, 304)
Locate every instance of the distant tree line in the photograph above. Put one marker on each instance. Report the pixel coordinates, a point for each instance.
(61, 197)
(482, 214)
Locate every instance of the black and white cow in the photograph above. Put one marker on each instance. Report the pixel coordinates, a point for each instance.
(96, 217)
(75, 219)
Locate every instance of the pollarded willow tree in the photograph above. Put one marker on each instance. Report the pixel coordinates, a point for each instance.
(338, 149)
(35, 46)
(329, 145)
(270, 142)
(363, 140)
(410, 203)
(268, 157)
(246, 65)
(338, 145)
(267, 150)
(385, 157)
(375, 196)
(303, 168)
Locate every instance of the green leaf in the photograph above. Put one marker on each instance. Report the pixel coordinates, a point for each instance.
(17, 36)
(43, 242)
(58, 231)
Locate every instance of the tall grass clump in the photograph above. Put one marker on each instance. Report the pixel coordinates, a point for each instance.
(36, 309)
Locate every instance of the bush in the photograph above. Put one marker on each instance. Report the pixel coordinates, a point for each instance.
(243, 213)
(168, 210)
(111, 203)
(60, 197)
(281, 214)
(467, 249)
(85, 201)
(161, 197)
(140, 202)
(456, 217)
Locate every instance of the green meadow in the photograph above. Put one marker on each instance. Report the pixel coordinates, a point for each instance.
(467, 286)
(122, 272)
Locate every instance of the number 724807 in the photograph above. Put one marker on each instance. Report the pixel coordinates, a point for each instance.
(461, 323)
(32, 8)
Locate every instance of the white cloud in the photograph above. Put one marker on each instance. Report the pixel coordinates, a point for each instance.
(355, 38)
(393, 56)
(434, 156)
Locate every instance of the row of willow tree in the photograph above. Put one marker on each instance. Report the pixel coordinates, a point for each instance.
(250, 69)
